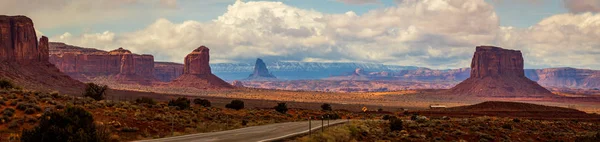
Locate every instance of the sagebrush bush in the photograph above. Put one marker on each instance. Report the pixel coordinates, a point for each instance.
(9, 112)
(202, 102)
(326, 107)
(145, 100)
(281, 107)
(235, 104)
(72, 124)
(181, 102)
(396, 124)
(94, 91)
(29, 111)
(6, 84)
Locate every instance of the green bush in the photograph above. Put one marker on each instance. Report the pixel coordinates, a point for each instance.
(181, 102)
(95, 91)
(202, 102)
(29, 111)
(326, 107)
(145, 100)
(9, 112)
(6, 84)
(235, 104)
(281, 107)
(72, 124)
(395, 124)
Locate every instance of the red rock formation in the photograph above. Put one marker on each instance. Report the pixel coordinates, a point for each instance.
(85, 64)
(197, 72)
(498, 72)
(166, 71)
(237, 83)
(25, 62)
(196, 63)
(567, 77)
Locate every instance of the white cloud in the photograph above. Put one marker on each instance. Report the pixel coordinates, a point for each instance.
(431, 33)
(579, 6)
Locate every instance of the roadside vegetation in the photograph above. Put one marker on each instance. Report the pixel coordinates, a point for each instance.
(97, 118)
(420, 128)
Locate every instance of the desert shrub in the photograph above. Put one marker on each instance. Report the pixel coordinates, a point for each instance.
(145, 100)
(59, 106)
(388, 117)
(54, 94)
(414, 117)
(589, 138)
(13, 124)
(395, 124)
(281, 107)
(516, 120)
(72, 124)
(9, 112)
(202, 102)
(94, 91)
(235, 104)
(6, 84)
(29, 111)
(380, 110)
(244, 122)
(326, 107)
(181, 102)
(13, 103)
(129, 129)
(2, 102)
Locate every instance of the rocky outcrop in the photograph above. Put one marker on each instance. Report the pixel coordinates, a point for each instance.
(566, 77)
(85, 64)
(167, 71)
(497, 72)
(197, 72)
(196, 63)
(25, 61)
(237, 83)
(261, 72)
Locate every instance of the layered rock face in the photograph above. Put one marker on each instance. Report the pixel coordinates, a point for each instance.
(566, 77)
(197, 72)
(85, 64)
(167, 71)
(261, 72)
(497, 72)
(25, 61)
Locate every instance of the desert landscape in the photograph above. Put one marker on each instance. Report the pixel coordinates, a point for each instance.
(259, 73)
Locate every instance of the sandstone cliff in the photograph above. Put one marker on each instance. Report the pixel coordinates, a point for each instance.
(197, 72)
(85, 64)
(25, 61)
(497, 72)
(167, 71)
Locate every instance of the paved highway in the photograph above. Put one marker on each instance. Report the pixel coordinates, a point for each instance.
(263, 133)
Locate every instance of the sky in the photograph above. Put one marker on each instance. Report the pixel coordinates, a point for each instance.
(438, 34)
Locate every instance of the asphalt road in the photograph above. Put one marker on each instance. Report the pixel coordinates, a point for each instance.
(263, 133)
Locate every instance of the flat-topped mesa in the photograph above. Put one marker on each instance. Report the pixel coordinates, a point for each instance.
(498, 72)
(18, 41)
(490, 61)
(24, 60)
(197, 62)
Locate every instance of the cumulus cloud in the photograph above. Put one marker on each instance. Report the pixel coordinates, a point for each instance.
(432, 33)
(559, 41)
(578, 6)
(359, 1)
